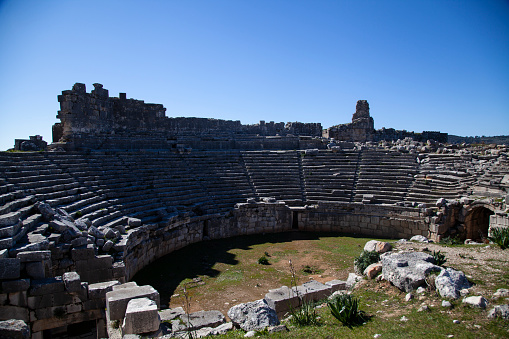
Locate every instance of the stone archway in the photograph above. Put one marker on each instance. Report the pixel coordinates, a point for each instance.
(477, 223)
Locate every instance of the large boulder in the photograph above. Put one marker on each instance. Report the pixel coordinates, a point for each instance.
(253, 316)
(378, 246)
(450, 282)
(408, 270)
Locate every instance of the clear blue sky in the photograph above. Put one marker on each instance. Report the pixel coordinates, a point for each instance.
(422, 65)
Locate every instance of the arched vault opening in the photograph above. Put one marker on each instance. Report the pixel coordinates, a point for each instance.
(477, 223)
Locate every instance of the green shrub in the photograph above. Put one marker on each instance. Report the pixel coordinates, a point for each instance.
(345, 308)
(500, 236)
(304, 316)
(78, 214)
(439, 258)
(451, 240)
(365, 259)
(263, 260)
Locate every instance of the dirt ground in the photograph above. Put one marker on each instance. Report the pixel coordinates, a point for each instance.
(221, 274)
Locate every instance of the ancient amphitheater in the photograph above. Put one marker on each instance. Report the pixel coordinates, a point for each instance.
(123, 185)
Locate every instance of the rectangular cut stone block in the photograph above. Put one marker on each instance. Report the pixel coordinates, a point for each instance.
(99, 290)
(15, 285)
(9, 268)
(35, 270)
(117, 300)
(202, 319)
(72, 281)
(336, 285)
(84, 253)
(313, 291)
(46, 286)
(34, 256)
(141, 316)
(282, 300)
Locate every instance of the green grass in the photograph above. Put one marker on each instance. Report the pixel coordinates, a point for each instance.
(232, 263)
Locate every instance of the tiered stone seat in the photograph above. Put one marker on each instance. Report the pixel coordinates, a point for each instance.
(275, 174)
(329, 176)
(17, 198)
(384, 175)
(224, 177)
(440, 176)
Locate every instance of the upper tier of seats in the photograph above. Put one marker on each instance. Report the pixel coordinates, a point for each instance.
(107, 186)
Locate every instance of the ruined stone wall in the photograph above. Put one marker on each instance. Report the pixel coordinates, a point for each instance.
(368, 220)
(360, 129)
(96, 120)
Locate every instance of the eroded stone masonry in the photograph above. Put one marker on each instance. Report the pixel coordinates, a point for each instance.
(123, 185)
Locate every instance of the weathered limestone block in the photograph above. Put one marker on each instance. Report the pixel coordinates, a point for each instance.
(14, 312)
(46, 286)
(9, 268)
(253, 316)
(133, 222)
(407, 271)
(336, 285)
(72, 281)
(99, 290)
(33, 256)
(11, 286)
(282, 299)
(83, 253)
(141, 316)
(202, 319)
(35, 270)
(14, 329)
(312, 291)
(119, 297)
(476, 301)
(450, 282)
(499, 311)
(171, 313)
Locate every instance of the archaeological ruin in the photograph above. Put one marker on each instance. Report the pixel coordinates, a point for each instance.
(122, 185)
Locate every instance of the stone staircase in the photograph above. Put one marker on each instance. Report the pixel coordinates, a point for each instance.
(384, 176)
(275, 174)
(329, 176)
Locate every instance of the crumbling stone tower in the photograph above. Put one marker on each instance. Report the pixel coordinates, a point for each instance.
(362, 127)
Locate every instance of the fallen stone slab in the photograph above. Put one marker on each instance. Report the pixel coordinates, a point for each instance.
(118, 299)
(99, 290)
(408, 270)
(141, 316)
(171, 313)
(200, 319)
(450, 282)
(253, 316)
(312, 291)
(419, 238)
(282, 300)
(336, 285)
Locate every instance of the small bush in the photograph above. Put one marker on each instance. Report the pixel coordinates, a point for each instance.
(500, 236)
(263, 260)
(430, 281)
(78, 214)
(451, 240)
(439, 258)
(345, 308)
(365, 259)
(304, 316)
